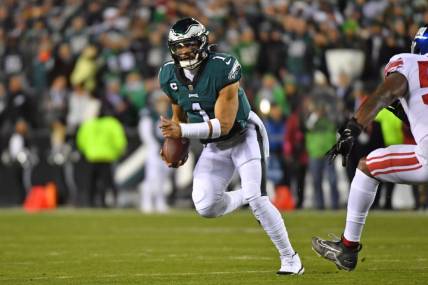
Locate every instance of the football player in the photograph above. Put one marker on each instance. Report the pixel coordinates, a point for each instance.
(208, 104)
(405, 91)
(152, 189)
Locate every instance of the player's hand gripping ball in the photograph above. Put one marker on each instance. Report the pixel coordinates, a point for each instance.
(175, 151)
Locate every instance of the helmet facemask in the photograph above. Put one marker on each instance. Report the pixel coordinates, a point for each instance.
(188, 53)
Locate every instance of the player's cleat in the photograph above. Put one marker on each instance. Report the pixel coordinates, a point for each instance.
(291, 265)
(345, 258)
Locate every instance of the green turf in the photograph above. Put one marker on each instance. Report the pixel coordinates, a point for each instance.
(125, 247)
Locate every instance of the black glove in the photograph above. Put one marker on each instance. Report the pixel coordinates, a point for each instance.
(348, 135)
(397, 109)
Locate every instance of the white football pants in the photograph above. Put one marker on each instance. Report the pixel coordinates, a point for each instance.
(213, 173)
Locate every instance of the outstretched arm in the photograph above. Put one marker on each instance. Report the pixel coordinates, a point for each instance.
(394, 87)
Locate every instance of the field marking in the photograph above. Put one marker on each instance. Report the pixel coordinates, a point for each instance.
(18, 263)
(201, 273)
(382, 260)
(141, 275)
(146, 259)
(64, 277)
(249, 257)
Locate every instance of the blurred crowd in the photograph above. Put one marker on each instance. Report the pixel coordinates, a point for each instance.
(65, 62)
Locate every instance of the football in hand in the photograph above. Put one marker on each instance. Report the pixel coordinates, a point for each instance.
(175, 150)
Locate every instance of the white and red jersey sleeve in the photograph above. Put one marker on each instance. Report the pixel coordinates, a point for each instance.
(395, 64)
(415, 68)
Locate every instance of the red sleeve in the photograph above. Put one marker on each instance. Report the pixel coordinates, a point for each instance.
(393, 66)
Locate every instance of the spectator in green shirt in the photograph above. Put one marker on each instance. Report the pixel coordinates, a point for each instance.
(320, 136)
(102, 142)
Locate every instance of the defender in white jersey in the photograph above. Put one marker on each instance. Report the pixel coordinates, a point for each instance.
(405, 93)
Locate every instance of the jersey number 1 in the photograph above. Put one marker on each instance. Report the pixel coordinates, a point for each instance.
(423, 78)
(204, 115)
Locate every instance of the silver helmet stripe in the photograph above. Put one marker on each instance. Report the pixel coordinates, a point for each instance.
(192, 31)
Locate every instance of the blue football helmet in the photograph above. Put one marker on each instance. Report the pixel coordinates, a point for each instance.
(420, 42)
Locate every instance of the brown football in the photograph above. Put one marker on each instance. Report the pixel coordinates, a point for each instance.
(175, 150)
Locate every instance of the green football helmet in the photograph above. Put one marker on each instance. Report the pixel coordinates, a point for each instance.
(188, 43)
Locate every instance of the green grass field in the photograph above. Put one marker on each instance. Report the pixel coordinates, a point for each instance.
(125, 247)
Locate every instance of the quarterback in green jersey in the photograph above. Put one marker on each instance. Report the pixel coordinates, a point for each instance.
(208, 104)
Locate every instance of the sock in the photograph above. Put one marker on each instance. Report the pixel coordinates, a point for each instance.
(273, 224)
(349, 244)
(361, 197)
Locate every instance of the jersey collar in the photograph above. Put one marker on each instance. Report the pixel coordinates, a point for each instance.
(179, 73)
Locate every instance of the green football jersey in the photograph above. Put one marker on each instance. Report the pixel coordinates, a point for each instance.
(198, 97)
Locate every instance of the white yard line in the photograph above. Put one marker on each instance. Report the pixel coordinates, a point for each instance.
(143, 275)
(200, 273)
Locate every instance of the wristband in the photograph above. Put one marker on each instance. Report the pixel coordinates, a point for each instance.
(195, 130)
(216, 128)
(205, 130)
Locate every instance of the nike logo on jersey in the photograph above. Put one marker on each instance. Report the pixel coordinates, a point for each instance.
(228, 62)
